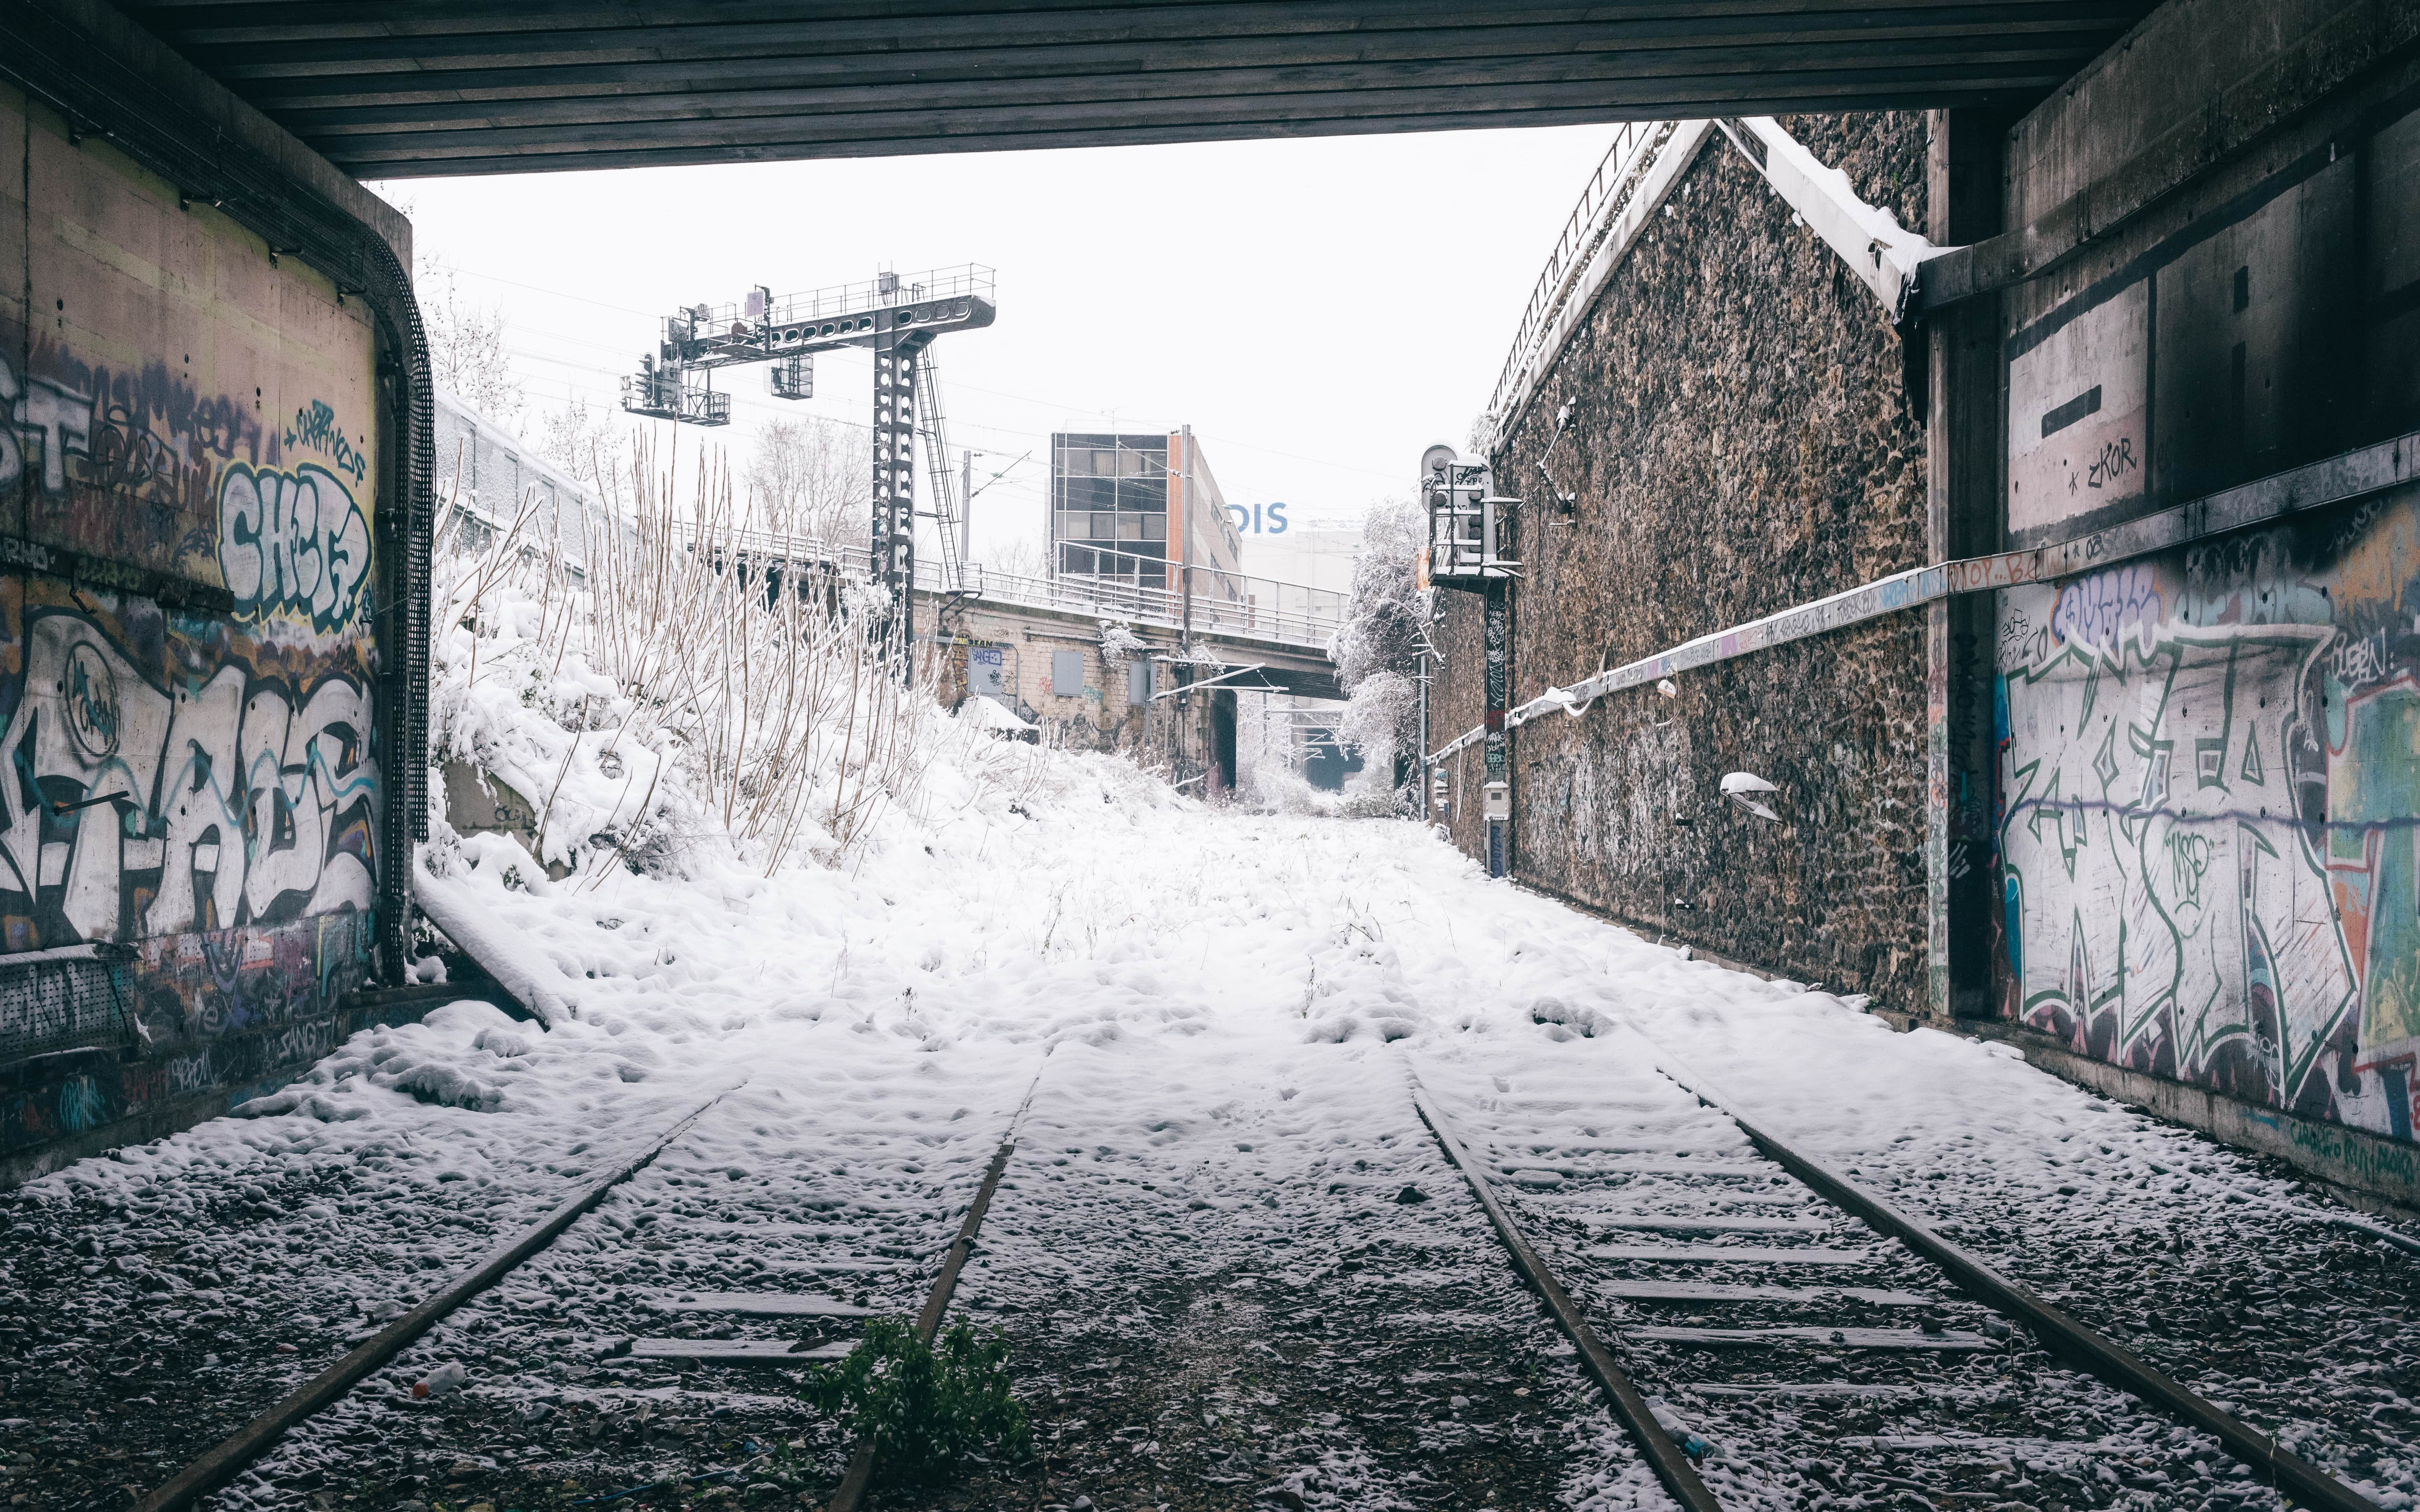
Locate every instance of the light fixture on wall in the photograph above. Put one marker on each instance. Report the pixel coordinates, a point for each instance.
(1739, 786)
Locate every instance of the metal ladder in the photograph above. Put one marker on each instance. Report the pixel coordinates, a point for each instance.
(942, 479)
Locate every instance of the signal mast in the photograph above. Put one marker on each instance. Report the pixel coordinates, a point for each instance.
(897, 317)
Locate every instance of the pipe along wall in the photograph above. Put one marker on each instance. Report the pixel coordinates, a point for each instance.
(2162, 815)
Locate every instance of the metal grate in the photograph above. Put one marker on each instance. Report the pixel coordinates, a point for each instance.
(75, 998)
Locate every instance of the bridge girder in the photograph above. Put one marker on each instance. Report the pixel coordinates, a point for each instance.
(397, 88)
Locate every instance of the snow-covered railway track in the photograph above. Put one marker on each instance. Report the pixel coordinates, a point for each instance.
(596, 1350)
(1758, 1320)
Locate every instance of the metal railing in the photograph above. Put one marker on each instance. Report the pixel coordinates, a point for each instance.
(1221, 599)
(72, 997)
(960, 280)
(1224, 602)
(1607, 191)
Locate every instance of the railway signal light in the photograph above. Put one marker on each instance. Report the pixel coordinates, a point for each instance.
(1468, 521)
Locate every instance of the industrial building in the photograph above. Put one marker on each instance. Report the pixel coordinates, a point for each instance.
(1140, 509)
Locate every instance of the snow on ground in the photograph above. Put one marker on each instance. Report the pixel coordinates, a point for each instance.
(1199, 1251)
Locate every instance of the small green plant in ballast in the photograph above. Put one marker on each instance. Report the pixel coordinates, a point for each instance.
(929, 1409)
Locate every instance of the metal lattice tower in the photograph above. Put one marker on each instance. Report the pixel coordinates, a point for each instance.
(895, 468)
(897, 318)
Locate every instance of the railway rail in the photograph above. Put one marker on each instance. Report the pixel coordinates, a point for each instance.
(1808, 1339)
(1767, 1331)
(695, 1331)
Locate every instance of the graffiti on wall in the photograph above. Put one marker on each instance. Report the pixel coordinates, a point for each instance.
(144, 804)
(191, 756)
(292, 545)
(206, 784)
(2209, 799)
(121, 464)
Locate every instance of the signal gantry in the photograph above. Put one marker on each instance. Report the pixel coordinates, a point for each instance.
(896, 317)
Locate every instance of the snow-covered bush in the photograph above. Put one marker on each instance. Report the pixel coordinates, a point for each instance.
(705, 683)
(1383, 719)
(1119, 642)
(1377, 649)
(1387, 613)
(1275, 788)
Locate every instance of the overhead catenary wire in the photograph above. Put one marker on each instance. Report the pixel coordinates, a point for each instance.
(1034, 400)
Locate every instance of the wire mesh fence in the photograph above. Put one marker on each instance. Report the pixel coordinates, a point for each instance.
(76, 997)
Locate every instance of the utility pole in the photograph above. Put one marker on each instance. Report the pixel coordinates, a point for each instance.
(894, 483)
(1186, 483)
(966, 515)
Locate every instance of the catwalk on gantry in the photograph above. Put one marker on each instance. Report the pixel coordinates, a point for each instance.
(898, 316)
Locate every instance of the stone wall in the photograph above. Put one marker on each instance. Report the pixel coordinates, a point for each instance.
(1010, 653)
(1743, 438)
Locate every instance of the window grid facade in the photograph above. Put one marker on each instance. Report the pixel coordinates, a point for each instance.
(1108, 507)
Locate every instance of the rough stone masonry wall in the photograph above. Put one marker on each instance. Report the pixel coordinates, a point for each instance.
(1743, 439)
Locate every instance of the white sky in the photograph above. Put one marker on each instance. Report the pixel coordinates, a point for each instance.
(1318, 311)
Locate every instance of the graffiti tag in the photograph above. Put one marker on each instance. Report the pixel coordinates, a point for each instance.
(46, 415)
(2116, 460)
(2360, 661)
(315, 427)
(292, 543)
(2013, 631)
(2099, 610)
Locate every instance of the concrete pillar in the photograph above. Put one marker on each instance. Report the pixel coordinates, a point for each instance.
(1963, 448)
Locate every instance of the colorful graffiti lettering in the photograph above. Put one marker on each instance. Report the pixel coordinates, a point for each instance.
(2099, 610)
(292, 543)
(2167, 908)
(228, 798)
(2210, 858)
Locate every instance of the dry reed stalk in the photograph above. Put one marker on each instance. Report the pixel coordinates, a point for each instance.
(740, 654)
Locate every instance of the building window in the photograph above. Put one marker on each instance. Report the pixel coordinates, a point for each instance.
(1067, 673)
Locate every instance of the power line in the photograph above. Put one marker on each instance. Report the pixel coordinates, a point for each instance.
(972, 388)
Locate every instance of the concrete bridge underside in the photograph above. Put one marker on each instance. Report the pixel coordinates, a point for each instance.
(417, 88)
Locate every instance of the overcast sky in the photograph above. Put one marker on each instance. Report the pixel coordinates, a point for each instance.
(1318, 311)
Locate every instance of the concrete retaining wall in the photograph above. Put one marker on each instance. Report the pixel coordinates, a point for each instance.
(2208, 761)
(197, 453)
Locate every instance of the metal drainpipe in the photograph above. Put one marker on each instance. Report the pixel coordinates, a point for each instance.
(1498, 632)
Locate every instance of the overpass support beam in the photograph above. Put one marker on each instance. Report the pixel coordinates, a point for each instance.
(1961, 376)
